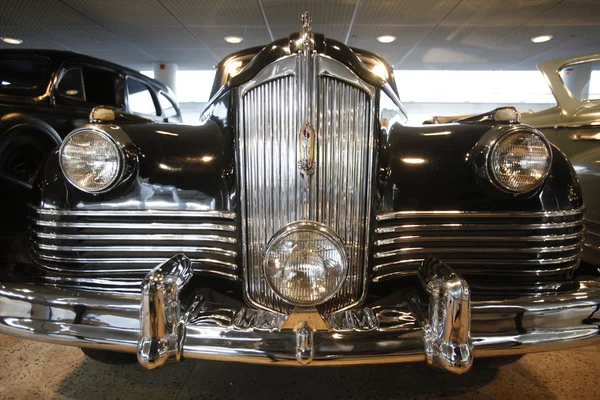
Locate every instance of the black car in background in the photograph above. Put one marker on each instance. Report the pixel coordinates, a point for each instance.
(44, 95)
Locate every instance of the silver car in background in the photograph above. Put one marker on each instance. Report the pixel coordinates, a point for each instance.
(573, 125)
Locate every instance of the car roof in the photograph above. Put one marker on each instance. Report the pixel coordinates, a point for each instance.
(58, 57)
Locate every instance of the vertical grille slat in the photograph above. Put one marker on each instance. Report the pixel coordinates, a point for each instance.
(273, 114)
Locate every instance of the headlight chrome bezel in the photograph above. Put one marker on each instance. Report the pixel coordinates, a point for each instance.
(484, 151)
(120, 159)
(318, 228)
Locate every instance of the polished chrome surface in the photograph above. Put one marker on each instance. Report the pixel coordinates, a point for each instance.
(501, 244)
(232, 333)
(119, 243)
(447, 333)
(274, 106)
(134, 213)
(161, 319)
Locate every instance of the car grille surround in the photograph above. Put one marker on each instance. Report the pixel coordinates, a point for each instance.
(275, 106)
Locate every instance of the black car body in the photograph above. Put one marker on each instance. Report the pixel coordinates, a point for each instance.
(305, 222)
(45, 94)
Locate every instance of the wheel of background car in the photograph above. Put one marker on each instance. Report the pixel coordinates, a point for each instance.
(22, 154)
(110, 357)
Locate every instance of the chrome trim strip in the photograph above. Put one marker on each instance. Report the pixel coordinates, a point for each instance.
(412, 271)
(135, 225)
(452, 250)
(137, 249)
(478, 214)
(498, 239)
(476, 226)
(124, 261)
(479, 261)
(134, 213)
(142, 237)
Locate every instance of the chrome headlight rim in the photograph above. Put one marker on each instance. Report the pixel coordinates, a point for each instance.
(499, 136)
(312, 226)
(120, 159)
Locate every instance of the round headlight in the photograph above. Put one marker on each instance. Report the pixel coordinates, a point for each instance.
(90, 160)
(520, 161)
(305, 263)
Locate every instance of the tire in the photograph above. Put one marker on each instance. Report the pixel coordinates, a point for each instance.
(110, 357)
(23, 154)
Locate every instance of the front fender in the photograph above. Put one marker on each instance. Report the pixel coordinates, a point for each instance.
(429, 168)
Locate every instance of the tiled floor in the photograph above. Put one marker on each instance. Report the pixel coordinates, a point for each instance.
(33, 370)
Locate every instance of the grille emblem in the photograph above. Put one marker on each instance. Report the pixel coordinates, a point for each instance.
(306, 138)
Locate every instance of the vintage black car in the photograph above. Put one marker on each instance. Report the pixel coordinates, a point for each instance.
(44, 95)
(305, 223)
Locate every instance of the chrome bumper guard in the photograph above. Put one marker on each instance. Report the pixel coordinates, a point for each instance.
(439, 324)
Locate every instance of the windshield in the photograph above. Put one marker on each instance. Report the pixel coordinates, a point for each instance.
(24, 75)
(582, 80)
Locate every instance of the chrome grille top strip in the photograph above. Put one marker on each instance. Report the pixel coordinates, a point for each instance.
(134, 213)
(478, 214)
(134, 225)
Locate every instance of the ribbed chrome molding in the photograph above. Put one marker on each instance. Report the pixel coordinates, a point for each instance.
(519, 245)
(273, 108)
(129, 243)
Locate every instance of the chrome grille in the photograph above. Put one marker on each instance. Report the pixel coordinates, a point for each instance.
(500, 246)
(112, 243)
(273, 190)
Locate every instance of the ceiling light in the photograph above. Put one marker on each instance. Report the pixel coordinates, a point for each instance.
(386, 38)
(233, 39)
(541, 39)
(10, 40)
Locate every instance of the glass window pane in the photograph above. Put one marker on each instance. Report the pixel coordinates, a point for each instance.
(26, 75)
(140, 99)
(71, 85)
(582, 80)
(168, 108)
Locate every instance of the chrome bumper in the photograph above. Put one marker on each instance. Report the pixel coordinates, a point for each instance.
(438, 324)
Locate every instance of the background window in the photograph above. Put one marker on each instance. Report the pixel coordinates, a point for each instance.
(140, 98)
(100, 86)
(28, 75)
(168, 108)
(71, 84)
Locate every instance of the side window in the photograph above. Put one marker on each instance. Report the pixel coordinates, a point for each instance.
(100, 86)
(168, 107)
(140, 98)
(71, 85)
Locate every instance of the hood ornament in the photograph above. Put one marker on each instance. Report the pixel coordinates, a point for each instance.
(306, 36)
(306, 158)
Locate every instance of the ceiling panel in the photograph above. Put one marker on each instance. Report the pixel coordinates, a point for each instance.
(125, 13)
(40, 13)
(157, 36)
(442, 34)
(324, 13)
(215, 12)
(213, 36)
(407, 12)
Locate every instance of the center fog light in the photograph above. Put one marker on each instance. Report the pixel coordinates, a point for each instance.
(305, 263)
